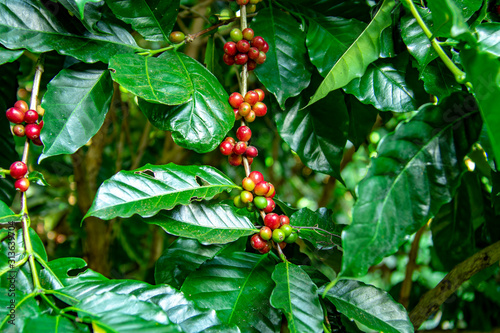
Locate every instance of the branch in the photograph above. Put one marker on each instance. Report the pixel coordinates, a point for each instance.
(462, 272)
(404, 295)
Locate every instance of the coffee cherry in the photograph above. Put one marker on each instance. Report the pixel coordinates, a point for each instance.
(257, 242)
(292, 238)
(22, 184)
(260, 109)
(235, 160)
(251, 97)
(261, 59)
(32, 131)
(270, 206)
(237, 115)
(230, 48)
(40, 110)
(240, 148)
(15, 116)
(213, 19)
(31, 116)
(256, 176)
(228, 60)
(18, 170)
(236, 35)
(261, 94)
(272, 191)
(37, 142)
(253, 53)
(244, 109)
(19, 130)
(235, 99)
(250, 160)
(238, 203)
(250, 117)
(265, 48)
(278, 235)
(242, 2)
(252, 152)
(177, 37)
(246, 196)
(258, 42)
(243, 133)
(241, 59)
(251, 8)
(251, 65)
(226, 148)
(248, 34)
(266, 248)
(40, 124)
(243, 46)
(287, 229)
(272, 221)
(260, 202)
(21, 105)
(266, 233)
(248, 184)
(284, 220)
(261, 188)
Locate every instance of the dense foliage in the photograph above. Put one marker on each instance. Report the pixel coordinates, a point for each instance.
(381, 138)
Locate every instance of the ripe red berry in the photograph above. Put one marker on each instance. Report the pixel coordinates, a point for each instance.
(31, 116)
(260, 109)
(257, 242)
(243, 46)
(230, 139)
(248, 184)
(241, 59)
(253, 53)
(284, 220)
(244, 109)
(230, 48)
(40, 124)
(226, 148)
(272, 192)
(252, 152)
(266, 233)
(265, 48)
(235, 99)
(250, 117)
(235, 160)
(266, 248)
(248, 34)
(256, 176)
(242, 2)
(250, 160)
(251, 97)
(21, 105)
(15, 115)
(32, 131)
(261, 188)
(244, 133)
(251, 65)
(261, 59)
(237, 115)
(18, 170)
(37, 142)
(258, 42)
(177, 37)
(19, 130)
(246, 196)
(22, 184)
(240, 148)
(272, 221)
(270, 206)
(228, 60)
(261, 94)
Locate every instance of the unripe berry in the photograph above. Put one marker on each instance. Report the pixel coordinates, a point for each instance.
(226, 148)
(21, 105)
(256, 176)
(236, 35)
(18, 170)
(287, 229)
(243, 46)
(235, 160)
(278, 235)
(32, 131)
(235, 99)
(248, 34)
(251, 8)
(257, 242)
(240, 148)
(246, 196)
(260, 109)
(248, 184)
(251, 97)
(292, 238)
(228, 60)
(261, 188)
(243, 133)
(19, 130)
(250, 207)
(230, 48)
(284, 220)
(272, 221)
(244, 109)
(260, 202)
(250, 117)
(177, 37)
(258, 42)
(261, 94)
(252, 152)
(22, 184)
(31, 116)
(241, 58)
(266, 233)
(270, 206)
(15, 116)
(238, 203)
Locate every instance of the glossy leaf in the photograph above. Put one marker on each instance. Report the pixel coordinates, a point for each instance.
(416, 41)
(340, 8)
(203, 121)
(89, 13)
(384, 85)
(208, 223)
(483, 71)
(7, 55)
(36, 177)
(417, 170)
(317, 134)
(325, 234)
(328, 38)
(73, 270)
(153, 19)
(5, 210)
(286, 70)
(147, 190)
(449, 21)
(82, 3)
(370, 306)
(25, 20)
(355, 60)
(438, 80)
(45, 323)
(489, 37)
(78, 101)
(238, 287)
(27, 309)
(296, 295)
(362, 117)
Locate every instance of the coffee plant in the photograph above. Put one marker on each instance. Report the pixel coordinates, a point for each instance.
(249, 166)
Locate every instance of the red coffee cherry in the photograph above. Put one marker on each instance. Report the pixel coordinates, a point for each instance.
(244, 109)
(31, 116)
(248, 184)
(243, 133)
(248, 34)
(252, 152)
(265, 48)
(237, 115)
(261, 188)
(242, 2)
(235, 99)
(15, 115)
(266, 248)
(243, 46)
(228, 60)
(37, 142)
(257, 242)
(251, 65)
(256, 176)
(18, 170)
(22, 184)
(251, 97)
(260, 109)
(250, 160)
(226, 148)
(230, 48)
(284, 220)
(21, 105)
(261, 94)
(246, 196)
(261, 59)
(250, 117)
(230, 139)
(32, 131)
(253, 53)
(258, 42)
(241, 58)
(272, 221)
(270, 206)
(271, 192)
(240, 148)
(19, 130)
(235, 160)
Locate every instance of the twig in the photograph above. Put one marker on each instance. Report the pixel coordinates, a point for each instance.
(462, 272)
(404, 295)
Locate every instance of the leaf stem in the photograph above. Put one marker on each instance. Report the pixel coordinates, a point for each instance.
(459, 75)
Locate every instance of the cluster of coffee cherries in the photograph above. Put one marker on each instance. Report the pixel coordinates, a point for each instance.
(237, 150)
(245, 49)
(18, 171)
(250, 106)
(27, 122)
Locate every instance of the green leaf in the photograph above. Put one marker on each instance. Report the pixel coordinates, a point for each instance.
(45, 323)
(385, 86)
(36, 177)
(417, 170)
(25, 307)
(24, 20)
(147, 190)
(325, 233)
(370, 306)
(238, 287)
(81, 6)
(354, 61)
(297, 296)
(88, 15)
(317, 134)
(208, 223)
(416, 41)
(468, 7)
(483, 71)
(449, 21)
(362, 117)
(77, 102)
(153, 19)
(328, 38)
(489, 37)
(286, 70)
(438, 80)
(5, 210)
(7, 55)
(74, 270)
